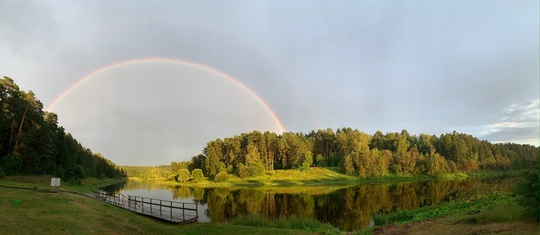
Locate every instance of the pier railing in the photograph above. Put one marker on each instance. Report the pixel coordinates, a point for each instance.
(173, 211)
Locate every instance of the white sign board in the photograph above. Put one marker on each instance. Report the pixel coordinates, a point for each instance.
(55, 182)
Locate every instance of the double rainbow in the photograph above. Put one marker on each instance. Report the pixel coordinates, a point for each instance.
(172, 61)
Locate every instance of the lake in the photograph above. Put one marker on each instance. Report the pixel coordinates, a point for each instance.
(348, 208)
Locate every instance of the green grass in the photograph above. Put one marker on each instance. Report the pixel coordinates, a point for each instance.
(315, 176)
(494, 208)
(292, 222)
(67, 213)
(324, 176)
(495, 214)
(85, 186)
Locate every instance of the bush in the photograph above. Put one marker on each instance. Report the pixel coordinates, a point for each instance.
(254, 169)
(395, 217)
(197, 174)
(171, 177)
(292, 222)
(528, 193)
(321, 162)
(221, 177)
(183, 175)
(307, 161)
(2, 174)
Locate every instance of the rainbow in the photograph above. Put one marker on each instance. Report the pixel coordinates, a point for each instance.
(173, 61)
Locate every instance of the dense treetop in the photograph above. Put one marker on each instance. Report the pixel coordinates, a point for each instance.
(361, 154)
(31, 142)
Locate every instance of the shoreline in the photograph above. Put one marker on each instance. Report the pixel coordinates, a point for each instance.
(449, 222)
(317, 177)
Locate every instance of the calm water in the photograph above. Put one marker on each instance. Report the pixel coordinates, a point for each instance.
(349, 208)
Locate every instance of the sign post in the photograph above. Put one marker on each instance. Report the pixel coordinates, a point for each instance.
(55, 182)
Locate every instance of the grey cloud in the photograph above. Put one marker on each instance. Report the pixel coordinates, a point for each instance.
(519, 123)
(428, 67)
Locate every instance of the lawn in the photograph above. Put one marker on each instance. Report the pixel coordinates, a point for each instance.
(68, 213)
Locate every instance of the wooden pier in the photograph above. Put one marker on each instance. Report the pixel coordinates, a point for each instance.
(171, 211)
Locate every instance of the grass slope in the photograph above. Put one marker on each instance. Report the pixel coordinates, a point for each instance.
(67, 213)
(495, 214)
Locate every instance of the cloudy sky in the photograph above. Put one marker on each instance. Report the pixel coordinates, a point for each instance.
(150, 82)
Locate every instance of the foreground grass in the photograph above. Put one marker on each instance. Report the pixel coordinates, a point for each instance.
(495, 214)
(67, 213)
(292, 222)
(495, 208)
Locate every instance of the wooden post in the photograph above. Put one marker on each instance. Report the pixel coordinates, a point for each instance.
(142, 205)
(183, 212)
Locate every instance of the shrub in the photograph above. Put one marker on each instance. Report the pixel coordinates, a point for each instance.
(254, 169)
(183, 175)
(2, 174)
(171, 177)
(221, 177)
(307, 161)
(528, 193)
(197, 174)
(320, 161)
(292, 222)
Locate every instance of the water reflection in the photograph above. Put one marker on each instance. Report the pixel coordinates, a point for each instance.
(348, 208)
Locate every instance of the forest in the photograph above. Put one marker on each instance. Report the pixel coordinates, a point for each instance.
(360, 154)
(32, 142)
(354, 152)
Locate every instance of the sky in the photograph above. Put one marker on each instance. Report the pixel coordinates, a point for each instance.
(151, 82)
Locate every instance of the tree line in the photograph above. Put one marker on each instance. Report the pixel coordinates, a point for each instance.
(32, 142)
(360, 154)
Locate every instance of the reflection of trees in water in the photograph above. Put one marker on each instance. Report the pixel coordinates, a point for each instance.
(114, 188)
(146, 184)
(350, 208)
(133, 185)
(181, 192)
(219, 207)
(250, 201)
(198, 194)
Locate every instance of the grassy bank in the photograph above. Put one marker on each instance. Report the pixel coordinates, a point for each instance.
(42, 182)
(67, 213)
(495, 214)
(315, 176)
(326, 176)
(292, 222)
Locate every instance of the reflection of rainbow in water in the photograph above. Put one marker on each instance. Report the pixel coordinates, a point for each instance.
(172, 61)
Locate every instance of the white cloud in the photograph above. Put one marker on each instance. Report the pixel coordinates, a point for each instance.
(519, 124)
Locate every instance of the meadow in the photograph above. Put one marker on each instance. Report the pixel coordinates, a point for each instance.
(72, 213)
